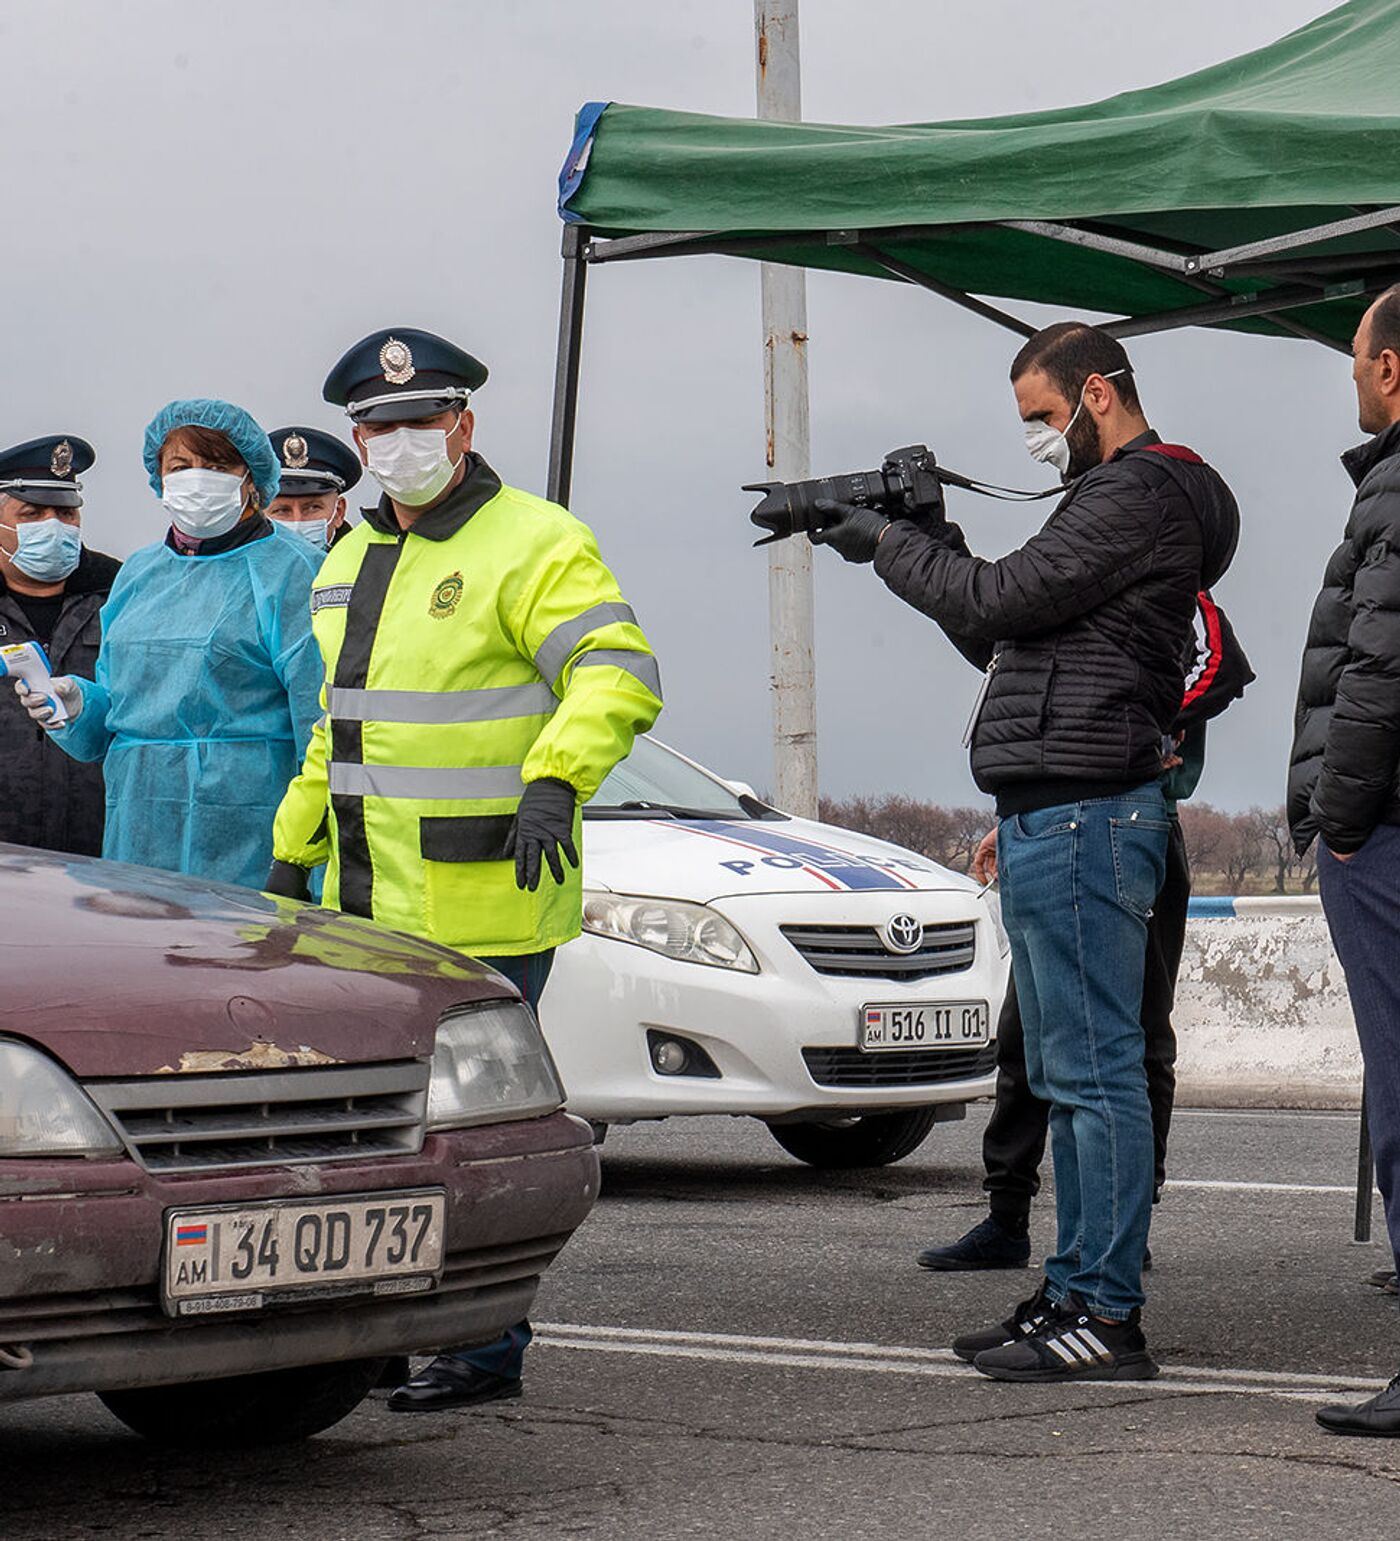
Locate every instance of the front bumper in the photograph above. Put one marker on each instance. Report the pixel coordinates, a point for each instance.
(606, 995)
(80, 1250)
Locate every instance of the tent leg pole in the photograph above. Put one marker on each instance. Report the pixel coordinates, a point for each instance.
(788, 438)
(566, 369)
(1365, 1175)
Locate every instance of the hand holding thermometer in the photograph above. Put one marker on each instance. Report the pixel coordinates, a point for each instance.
(28, 661)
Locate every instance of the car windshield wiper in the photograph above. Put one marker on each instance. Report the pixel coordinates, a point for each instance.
(668, 810)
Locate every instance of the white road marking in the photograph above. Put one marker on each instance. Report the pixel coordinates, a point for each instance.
(1248, 1187)
(887, 1359)
(1318, 1115)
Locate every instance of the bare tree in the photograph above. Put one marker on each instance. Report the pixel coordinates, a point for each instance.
(1269, 828)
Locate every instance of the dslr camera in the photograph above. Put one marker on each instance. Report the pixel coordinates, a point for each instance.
(907, 486)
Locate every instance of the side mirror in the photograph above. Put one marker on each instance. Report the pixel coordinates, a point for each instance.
(741, 789)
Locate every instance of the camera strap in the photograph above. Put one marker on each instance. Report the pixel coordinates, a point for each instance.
(992, 490)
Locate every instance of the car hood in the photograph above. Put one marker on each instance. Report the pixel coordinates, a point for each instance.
(125, 971)
(707, 859)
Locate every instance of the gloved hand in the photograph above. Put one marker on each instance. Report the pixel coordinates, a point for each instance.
(288, 881)
(40, 708)
(853, 531)
(544, 826)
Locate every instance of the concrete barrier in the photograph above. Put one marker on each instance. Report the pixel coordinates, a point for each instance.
(1262, 1015)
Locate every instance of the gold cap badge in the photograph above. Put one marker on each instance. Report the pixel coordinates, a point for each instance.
(61, 461)
(295, 453)
(396, 360)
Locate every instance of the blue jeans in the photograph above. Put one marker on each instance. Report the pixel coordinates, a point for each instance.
(506, 1355)
(1361, 899)
(1077, 886)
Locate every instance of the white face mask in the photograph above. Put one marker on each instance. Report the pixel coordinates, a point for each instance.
(1051, 445)
(411, 464)
(203, 504)
(315, 532)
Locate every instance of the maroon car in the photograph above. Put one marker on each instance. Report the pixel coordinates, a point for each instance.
(249, 1148)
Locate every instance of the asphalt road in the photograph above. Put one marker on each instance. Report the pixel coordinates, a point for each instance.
(736, 1346)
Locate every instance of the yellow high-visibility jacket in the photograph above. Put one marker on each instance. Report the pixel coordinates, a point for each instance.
(487, 647)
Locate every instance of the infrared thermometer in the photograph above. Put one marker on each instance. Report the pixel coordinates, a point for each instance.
(28, 661)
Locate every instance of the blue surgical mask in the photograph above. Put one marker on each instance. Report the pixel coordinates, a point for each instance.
(315, 532)
(47, 550)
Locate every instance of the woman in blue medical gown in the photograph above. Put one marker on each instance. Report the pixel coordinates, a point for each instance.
(208, 678)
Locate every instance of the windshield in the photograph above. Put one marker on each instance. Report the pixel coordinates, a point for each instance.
(653, 779)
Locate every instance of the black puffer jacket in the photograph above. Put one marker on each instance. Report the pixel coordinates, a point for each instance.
(1084, 627)
(47, 798)
(1344, 772)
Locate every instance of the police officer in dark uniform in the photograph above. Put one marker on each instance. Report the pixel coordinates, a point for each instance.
(51, 590)
(317, 471)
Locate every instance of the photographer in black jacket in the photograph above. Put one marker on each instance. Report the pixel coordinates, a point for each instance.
(1082, 633)
(1344, 772)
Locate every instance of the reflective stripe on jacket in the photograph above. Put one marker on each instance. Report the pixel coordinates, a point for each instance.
(484, 649)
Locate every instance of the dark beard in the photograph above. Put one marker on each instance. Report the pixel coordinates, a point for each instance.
(1085, 446)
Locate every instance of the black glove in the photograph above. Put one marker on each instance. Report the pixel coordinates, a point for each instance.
(288, 881)
(853, 531)
(544, 826)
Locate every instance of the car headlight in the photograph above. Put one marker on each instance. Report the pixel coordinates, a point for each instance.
(691, 933)
(992, 900)
(43, 1110)
(490, 1064)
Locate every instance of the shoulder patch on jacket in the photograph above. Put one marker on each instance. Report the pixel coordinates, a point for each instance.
(334, 596)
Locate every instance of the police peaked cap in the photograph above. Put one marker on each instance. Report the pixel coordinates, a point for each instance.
(402, 375)
(45, 472)
(313, 462)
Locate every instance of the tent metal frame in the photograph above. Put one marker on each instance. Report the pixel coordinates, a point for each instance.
(1294, 279)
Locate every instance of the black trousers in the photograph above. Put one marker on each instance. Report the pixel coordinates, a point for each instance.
(1014, 1144)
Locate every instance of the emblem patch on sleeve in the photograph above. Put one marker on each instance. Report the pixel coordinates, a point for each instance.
(333, 596)
(446, 597)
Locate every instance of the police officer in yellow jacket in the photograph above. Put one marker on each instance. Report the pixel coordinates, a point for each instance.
(483, 675)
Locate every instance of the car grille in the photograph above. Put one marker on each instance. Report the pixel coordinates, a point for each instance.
(199, 1123)
(899, 1067)
(857, 952)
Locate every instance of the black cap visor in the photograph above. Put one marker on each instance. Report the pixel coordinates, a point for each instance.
(50, 496)
(308, 484)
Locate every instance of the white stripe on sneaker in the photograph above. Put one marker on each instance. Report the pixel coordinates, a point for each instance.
(1093, 1342)
(1058, 1347)
(1077, 1343)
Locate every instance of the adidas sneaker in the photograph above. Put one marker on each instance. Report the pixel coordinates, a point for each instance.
(1070, 1344)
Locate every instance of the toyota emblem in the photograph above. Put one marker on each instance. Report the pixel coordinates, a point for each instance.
(903, 934)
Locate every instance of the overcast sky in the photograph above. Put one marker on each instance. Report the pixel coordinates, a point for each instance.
(217, 200)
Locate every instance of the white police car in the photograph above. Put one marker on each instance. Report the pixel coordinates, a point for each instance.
(735, 960)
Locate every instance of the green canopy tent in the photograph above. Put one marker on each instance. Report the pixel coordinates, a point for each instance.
(1261, 194)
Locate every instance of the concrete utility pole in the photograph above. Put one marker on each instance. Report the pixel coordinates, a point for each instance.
(789, 448)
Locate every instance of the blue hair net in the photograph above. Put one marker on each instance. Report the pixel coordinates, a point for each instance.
(223, 417)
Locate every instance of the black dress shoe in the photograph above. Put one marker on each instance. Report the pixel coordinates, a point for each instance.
(1378, 1417)
(988, 1245)
(449, 1383)
(1384, 1279)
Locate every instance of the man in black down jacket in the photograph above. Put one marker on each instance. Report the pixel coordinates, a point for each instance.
(1344, 773)
(1082, 633)
(50, 592)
